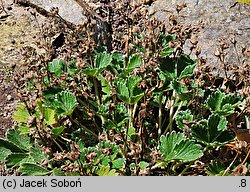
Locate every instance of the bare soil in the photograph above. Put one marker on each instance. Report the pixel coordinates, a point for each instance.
(19, 27)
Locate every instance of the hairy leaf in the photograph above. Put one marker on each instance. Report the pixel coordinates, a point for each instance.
(32, 169)
(222, 104)
(185, 66)
(4, 153)
(15, 159)
(102, 60)
(22, 141)
(212, 132)
(175, 146)
(65, 103)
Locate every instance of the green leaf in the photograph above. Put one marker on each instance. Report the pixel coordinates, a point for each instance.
(127, 89)
(56, 67)
(23, 130)
(132, 166)
(175, 146)
(132, 82)
(57, 130)
(215, 168)
(103, 110)
(117, 62)
(134, 61)
(185, 66)
(222, 104)
(32, 169)
(49, 115)
(166, 52)
(214, 101)
(109, 125)
(168, 68)
(37, 154)
(118, 163)
(21, 113)
(91, 72)
(143, 165)
(106, 88)
(65, 103)
(105, 161)
(131, 131)
(49, 93)
(102, 60)
(212, 132)
(15, 159)
(181, 116)
(22, 141)
(73, 173)
(4, 153)
(215, 123)
(9, 145)
(72, 69)
(187, 72)
(105, 171)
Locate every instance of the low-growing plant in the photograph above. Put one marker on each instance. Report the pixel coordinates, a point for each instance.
(142, 112)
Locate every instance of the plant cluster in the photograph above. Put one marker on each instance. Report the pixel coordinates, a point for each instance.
(144, 109)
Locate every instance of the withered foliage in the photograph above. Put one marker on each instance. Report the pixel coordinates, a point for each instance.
(114, 25)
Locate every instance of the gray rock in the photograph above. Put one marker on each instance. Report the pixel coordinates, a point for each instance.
(68, 9)
(220, 18)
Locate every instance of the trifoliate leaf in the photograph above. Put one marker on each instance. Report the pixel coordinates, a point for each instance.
(127, 89)
(23, 129)
(9, 145)
(15, 159)
(106, 88)
(102, 60)
(168, 68)
(58, 172)
(185, 66)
